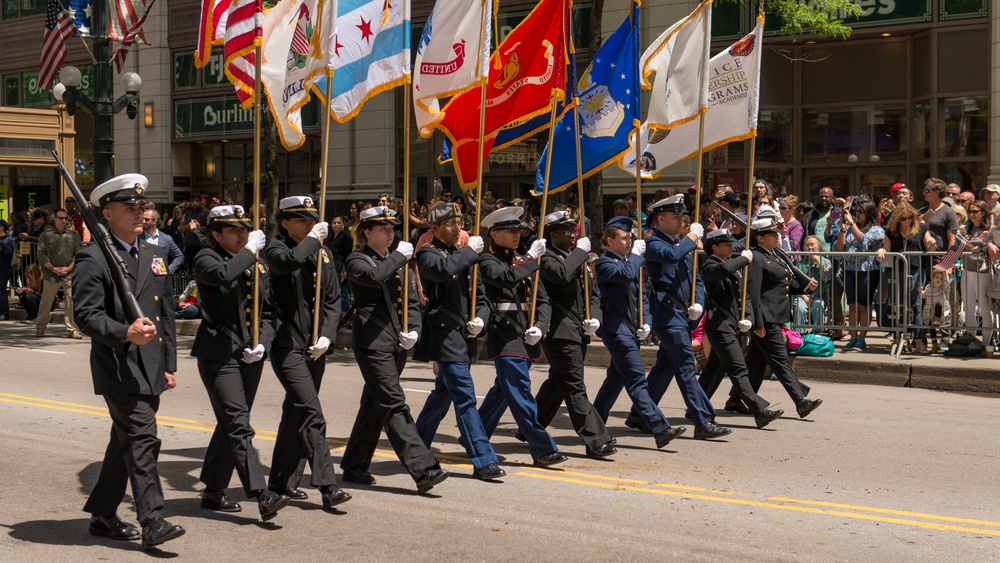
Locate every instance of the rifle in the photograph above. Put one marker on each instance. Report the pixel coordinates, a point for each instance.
(800, 276)
(117, 266)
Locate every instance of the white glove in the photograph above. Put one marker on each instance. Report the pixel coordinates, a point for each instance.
(639, 247)
(407, 339)
(537, 249)
(319, 231)
(474, 327)
(745, 325)
(255, 355)
(583, 244)
(532, 336)
(643, 332)
(476, 243)
(697, 230)
(255, 241)
(317, 350)
(748, 254)
(694, 312)
(590, 326)
(405, 248)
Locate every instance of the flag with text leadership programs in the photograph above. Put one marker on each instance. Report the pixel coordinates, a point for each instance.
(371, 54)
(609, 110)
(526, 71)
(452, 56)
(679, 59)
(734, 98)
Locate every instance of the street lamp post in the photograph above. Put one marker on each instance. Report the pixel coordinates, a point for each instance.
(102, 107)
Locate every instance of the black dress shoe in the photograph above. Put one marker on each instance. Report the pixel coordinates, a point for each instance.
(710, 430)
(664, 438)
(290, 492)
(636, 423)
(807, 406)
(334, 496)
(765, 417)
(158, 531)
(489, 472)
(738, 408)
(520, 436)
(548, 460)
(359, 476)
(269, 503)
(112, 527)
(431, 478)
(217, 500)
(604, 450)
(614, 441)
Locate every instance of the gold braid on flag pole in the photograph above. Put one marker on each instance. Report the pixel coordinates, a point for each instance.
(697, 204)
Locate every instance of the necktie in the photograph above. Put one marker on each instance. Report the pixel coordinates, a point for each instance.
(134, 253)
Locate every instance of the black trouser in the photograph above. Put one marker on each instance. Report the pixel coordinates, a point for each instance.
(727, 358)
(130, 457)
(772, 350)
(383, 405)
(565, 384)
(231, 389)
(302, 430)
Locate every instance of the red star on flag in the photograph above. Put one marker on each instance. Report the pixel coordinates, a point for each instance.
(336, 45)
(366, 29)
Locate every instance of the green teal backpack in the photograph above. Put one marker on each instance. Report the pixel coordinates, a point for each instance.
(815, 345)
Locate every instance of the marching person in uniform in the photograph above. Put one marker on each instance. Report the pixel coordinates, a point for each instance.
(723, 289)
(563, 268)
(617, 275)
(669, 260)
(381, 342)
(512, 342)
(448, 336)
(229, 364)
(772, 282)
(299, 363)
(132, 363)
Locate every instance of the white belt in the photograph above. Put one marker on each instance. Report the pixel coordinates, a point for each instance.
(511, 306)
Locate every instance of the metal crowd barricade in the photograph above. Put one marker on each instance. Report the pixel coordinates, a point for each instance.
(27, 251)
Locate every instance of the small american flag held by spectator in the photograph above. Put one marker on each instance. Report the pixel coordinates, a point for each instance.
(948, 260)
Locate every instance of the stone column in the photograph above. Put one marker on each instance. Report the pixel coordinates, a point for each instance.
(994, 177)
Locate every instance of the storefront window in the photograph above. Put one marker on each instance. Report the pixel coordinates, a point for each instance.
(865, 134)
(185, 73)
(920, 131)
(12, 90)
(971, 175)
(20, 8)
(964, 126)
(774, 136)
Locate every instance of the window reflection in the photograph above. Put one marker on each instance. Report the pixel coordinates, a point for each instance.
(866, 134)
(964, 126)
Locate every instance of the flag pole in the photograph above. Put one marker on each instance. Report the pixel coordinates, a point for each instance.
(317, 305)
(541, 214)
(483, 80)
(406, 203)
(697, 204)
(579, 196)
(746, 269)
(638, 211)
(255, 333)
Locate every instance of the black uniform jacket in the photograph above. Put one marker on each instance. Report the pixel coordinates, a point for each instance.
(723, 292)
(292, 268)
(771, 286)
(509, 281)
(225, 289)
(562, 275)
(120, 367)
(377, 288)
(446, 274)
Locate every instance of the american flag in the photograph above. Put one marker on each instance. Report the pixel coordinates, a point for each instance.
(300, 42)
(211, 29)
(243, 33)
(130, 37)
(953, 254)
(58, 26)
(126, 19)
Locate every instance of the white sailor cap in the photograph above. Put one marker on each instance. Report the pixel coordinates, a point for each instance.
(228, 216)
(559, 220)
(765, 225)
(127, 188)
(504, 218)
(378, 215)
(768, 211)
(719, 236)
(297, 206)
(674, 204)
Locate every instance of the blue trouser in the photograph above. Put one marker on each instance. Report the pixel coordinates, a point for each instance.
(513, 388)
(4, 302)
(675, 357)
(626, 370)
(454, 384)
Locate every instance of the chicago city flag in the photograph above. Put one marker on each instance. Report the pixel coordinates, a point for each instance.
(733, 98)
(526, 70)
(452, 56)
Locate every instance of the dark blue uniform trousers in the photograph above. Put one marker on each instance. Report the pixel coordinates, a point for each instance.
(626, 370)
(513, 388)
(454, 385)
(675, 357)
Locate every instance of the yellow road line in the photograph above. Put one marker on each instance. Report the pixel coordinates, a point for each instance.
(887, 511)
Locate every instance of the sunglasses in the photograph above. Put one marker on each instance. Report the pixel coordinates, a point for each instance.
(784, 208)
(906, 218)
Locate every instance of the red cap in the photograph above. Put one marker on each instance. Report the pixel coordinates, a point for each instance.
(896, 186)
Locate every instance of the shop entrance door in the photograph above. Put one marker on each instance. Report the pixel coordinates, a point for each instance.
(847, 182)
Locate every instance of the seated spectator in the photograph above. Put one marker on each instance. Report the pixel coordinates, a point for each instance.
(187, 303)
(30, 296)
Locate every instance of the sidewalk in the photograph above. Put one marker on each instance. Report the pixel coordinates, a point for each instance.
(874, 366)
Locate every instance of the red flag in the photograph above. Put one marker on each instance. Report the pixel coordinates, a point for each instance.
(58, 26)
(524, 71)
